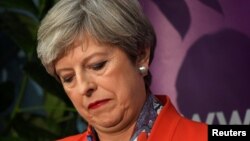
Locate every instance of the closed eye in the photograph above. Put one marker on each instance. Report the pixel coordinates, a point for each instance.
(67, 79)
(98, 66)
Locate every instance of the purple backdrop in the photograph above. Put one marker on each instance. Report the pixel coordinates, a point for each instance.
(202, 59)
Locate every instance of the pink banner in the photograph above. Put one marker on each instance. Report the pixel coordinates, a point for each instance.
(202, 58)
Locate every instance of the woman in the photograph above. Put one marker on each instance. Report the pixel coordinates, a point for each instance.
(100, 51)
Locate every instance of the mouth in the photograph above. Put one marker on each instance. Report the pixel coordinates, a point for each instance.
(97, 104)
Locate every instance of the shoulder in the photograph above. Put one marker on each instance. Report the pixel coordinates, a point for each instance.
(190, 130)
(78, 137)
(170, 125)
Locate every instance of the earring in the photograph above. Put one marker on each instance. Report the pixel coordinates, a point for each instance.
(143, 70)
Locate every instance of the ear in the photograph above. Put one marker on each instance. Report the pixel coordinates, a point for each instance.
(143, 58)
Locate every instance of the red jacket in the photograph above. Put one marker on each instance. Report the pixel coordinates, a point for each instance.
(169, 126)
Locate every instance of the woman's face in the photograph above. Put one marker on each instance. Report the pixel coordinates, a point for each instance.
(105, 87)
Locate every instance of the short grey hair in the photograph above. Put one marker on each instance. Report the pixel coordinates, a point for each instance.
(117, 22)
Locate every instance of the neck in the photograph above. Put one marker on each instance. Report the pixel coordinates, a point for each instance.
(123, 135)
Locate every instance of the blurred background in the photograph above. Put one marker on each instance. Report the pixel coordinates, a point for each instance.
(202, 62)
(202, 58)
(33, 106)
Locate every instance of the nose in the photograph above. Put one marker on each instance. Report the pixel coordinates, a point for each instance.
(86, 86)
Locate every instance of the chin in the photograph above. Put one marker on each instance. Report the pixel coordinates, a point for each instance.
(110, 122)
(107, 122)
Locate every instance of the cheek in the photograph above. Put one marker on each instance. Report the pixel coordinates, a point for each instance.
(72, 94)
(78, 104)
(76, 99)
(123, 87)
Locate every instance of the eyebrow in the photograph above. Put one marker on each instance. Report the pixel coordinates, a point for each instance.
(84, 60)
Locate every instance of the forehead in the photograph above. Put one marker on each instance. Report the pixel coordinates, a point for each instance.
(86, 43)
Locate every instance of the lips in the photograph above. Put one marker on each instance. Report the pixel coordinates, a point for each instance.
(97, 104)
